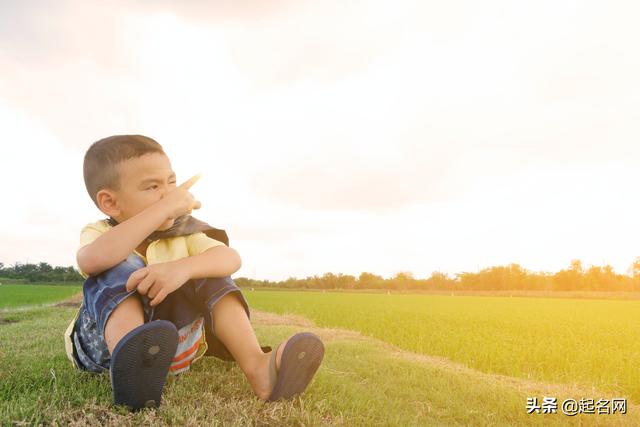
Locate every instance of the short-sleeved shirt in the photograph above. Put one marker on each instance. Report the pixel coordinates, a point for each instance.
(160, 250)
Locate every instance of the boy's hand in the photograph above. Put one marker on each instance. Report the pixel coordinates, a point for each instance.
(180, 201)
(158, 280)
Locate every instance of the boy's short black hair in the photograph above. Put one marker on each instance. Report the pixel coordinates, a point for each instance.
(102, 158)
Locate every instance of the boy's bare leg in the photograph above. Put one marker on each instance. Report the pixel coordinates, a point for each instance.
(234, 330)
(126, 316)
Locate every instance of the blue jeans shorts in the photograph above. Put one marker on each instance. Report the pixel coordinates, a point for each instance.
(102, 294)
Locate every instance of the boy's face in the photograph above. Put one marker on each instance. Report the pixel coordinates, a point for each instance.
(143, 181)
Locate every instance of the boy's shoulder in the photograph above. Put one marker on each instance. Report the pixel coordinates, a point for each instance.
(91, 231)
(100, 225)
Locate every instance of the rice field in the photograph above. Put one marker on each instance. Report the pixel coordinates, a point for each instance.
(570, 341)
(28, 295)
(514, 348)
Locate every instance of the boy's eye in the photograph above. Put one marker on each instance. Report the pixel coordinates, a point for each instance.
(155, 186)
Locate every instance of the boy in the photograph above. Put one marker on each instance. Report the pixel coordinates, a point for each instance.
(155, 277)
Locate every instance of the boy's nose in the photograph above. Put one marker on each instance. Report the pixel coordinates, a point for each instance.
(164, 190)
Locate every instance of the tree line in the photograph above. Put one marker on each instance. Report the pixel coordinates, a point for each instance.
(500, 278)
(40, 272)
(575, 277)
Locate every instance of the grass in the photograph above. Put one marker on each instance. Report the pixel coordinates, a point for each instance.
(593, 343)
(362, 381)
(26, 295)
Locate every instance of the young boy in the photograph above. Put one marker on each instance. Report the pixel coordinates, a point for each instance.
(158, 293)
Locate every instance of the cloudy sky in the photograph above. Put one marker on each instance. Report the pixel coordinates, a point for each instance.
(341, 136)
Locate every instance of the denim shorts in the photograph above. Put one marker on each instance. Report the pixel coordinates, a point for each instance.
(102, 294)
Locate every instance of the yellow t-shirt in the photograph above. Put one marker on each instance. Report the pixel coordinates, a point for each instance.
(162, 250)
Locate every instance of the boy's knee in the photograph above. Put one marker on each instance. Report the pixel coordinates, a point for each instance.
(113, 280)
(107, 290)
(124, 268)
(128, 308)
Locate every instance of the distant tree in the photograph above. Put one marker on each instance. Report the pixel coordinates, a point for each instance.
(440, 281)
(345, 281)
(403, 280)
(44, 267)
(571, 278)
(369, 281)
(635, 268)
(576, 265)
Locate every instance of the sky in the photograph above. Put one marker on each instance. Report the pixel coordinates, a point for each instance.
(337, 136)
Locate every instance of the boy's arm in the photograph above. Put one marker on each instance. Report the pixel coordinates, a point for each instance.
(219, 261)
(115, 245)
(159, 280)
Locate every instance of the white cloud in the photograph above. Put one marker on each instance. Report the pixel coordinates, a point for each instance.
(479, 133)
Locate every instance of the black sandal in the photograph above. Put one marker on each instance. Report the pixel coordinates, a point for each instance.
(300, 360)
(140, 363)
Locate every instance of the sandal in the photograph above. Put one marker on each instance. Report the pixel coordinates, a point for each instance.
(300, 360)
(140, 363)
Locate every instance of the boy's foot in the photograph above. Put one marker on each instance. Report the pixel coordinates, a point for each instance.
(140, 363)
(292, 365)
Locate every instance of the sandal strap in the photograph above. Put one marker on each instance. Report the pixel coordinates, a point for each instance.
(273, 370)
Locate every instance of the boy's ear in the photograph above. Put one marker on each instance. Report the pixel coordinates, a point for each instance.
(107, 202)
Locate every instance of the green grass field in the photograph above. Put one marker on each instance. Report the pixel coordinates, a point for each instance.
(26, 295)
(363, 380)
(587, 342)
